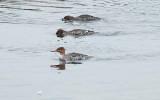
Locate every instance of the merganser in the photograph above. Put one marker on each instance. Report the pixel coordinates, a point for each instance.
(70, 56)
(80, 18)
(75, 32)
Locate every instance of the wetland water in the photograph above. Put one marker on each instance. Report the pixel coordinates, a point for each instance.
(126, 50)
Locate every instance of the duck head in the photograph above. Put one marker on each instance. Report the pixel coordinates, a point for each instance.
(61, 50)
(68, 18)
(60, 33)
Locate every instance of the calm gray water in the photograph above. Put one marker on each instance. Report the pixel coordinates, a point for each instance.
(126, 50)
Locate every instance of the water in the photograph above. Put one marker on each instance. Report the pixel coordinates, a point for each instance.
(126, 50)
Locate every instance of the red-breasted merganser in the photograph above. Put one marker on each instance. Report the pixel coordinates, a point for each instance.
(75, 32)
(70, 56)
(80, 18)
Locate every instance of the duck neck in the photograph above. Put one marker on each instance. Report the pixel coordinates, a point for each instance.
(65, 33)
(62, 58)
(62, 53)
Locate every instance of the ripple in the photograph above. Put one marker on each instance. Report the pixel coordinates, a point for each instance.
(14, 49)
(20, 8)
(79, 4)
(138, 57)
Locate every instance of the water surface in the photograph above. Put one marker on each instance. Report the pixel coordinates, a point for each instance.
(126, 50)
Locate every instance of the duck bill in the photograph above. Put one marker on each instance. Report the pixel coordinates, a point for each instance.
(63, 19)
(53, 50)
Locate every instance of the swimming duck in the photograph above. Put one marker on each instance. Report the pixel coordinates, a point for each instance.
(75, 32)
(70, 56)
(80, 18)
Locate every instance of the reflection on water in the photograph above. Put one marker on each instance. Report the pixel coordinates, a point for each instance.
(62, 65)
(59, 67)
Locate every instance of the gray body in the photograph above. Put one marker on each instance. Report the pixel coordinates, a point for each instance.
(78, 32)
(75, 57)
(86, 18)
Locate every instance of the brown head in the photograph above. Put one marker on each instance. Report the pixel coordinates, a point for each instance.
(68, 18)
(60, 33)
(61, 50)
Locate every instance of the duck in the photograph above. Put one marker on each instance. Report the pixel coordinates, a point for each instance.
(71, 56)
(75, 33)
(80, 18)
